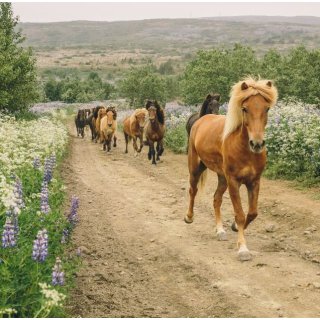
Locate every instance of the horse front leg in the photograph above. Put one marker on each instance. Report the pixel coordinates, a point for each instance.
(240, 218)
(109, 142)
(253, 194)
(114, 141)
(135, 146)
(153, 152)
(141, 142)
(159, 149)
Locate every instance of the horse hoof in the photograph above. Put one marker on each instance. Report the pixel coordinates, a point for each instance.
(234, 227)
(244, 255)
(188, 220)
(222, 236)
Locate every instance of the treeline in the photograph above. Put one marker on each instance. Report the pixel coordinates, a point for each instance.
(74, 89)
(296, 74)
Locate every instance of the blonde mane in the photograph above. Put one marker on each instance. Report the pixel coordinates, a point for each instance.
(238, 95)
(136, 113)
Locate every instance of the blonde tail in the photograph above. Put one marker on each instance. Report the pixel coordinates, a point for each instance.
(202, 180)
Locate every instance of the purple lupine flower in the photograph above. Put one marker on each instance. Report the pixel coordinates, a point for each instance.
(65, 236)
(44, 198)
(8, 235)
(18, 194)
(57, 273)
(73, 215)
(40, 246)
(12, 214)
(36, 163)
(48, 169)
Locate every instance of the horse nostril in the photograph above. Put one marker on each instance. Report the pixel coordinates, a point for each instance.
(263, 143)
(251, 143)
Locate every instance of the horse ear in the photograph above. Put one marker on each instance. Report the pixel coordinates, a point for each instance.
(216, 96)
(209, 97)
(244, 86)
(148, 104)
(269, 83)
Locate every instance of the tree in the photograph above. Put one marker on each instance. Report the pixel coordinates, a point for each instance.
(216, 71)
(143, 83)
(18, 80)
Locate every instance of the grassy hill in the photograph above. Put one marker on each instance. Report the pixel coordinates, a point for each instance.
(177, 35)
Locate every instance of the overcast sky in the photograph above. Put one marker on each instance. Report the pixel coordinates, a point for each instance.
(51, 12)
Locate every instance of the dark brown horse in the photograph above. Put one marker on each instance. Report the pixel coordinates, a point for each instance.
(154, 130)
(234, 147)
(91, 121)
(80, 121)
(210, 106)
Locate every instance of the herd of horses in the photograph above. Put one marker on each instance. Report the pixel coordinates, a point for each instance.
(233, 146)
(144, 124)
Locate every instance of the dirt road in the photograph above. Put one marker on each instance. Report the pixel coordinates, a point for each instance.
(142, 260)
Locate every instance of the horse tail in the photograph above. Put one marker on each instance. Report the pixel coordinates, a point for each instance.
(202, 180)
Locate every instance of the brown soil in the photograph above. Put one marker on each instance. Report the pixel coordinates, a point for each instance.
(140, 259)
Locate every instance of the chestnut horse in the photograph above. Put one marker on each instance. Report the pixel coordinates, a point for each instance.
(210, 106)
(234, 147)
(133, 127)
(108, 128)
(154, 130)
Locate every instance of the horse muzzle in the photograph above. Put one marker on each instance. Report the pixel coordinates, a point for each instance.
(257, 146)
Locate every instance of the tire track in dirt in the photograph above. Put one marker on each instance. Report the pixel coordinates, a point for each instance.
(142, 260)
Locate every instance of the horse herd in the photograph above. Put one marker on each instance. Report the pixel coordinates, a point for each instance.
(232, 146)
(145, 124)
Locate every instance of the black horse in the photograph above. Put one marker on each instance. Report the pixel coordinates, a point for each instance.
(80, 121)
(209, 106)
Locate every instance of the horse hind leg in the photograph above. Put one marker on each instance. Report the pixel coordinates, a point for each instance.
(195, 174)
(217, 201)
(127, 141)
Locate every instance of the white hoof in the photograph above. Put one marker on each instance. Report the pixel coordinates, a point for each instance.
(222, 236)
(244, 254)
(188, 220)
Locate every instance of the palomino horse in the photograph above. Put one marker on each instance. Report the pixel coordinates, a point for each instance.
(234, 147)
(154, 130)
(101, 113)
(210, 106)
(108, 128)
(80, 121)
(133, 127)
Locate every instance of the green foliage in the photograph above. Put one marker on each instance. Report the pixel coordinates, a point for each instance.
(73, 89)
(176, 138)
(215, 71)
(166, 67)
(141, 83)
(296, 74)
(18, 85)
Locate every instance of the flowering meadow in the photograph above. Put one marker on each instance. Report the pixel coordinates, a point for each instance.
(293, 142)
(292, 135)
(34, 269)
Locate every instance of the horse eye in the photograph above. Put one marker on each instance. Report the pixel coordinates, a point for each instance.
(244, 109)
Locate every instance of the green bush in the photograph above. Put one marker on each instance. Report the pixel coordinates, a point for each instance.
(18, 80)
(73, 89)
(176, 138)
